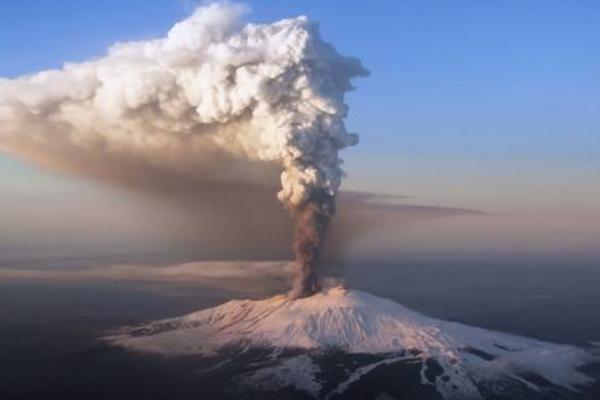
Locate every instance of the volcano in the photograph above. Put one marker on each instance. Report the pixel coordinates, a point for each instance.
(342, 343)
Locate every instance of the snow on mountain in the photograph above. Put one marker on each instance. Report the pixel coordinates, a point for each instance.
(357, 322)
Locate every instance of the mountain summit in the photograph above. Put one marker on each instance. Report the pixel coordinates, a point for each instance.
(459, 361)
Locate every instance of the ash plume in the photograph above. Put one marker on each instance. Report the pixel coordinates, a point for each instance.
(211, 100)
(311, 220)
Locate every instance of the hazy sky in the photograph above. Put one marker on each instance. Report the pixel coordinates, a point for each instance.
(491, 106)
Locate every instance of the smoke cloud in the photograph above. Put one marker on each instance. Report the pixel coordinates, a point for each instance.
(214, 100)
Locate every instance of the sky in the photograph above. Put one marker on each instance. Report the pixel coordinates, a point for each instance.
(489, 106)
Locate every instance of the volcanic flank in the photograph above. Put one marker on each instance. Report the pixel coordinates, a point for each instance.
(470, 361)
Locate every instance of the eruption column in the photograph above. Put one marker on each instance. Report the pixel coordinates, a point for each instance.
(310, 220)
(211, 95)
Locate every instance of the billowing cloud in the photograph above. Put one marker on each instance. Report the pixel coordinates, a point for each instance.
(212, 89)
(214, 100)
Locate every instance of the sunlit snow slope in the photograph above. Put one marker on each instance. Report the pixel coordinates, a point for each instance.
(358, 322)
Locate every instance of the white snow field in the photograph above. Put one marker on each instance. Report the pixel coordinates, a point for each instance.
(357, 322)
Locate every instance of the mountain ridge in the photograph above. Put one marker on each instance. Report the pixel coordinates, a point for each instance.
(357, 322)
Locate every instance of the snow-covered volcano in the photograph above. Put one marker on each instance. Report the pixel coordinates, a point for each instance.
(459, 361)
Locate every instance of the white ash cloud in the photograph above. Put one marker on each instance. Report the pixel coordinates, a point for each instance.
(213, 87)
(213, 92)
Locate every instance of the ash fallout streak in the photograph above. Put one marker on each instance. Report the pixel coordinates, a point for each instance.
(213, 97)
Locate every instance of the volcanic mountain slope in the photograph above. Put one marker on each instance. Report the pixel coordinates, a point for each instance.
(459, 361)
